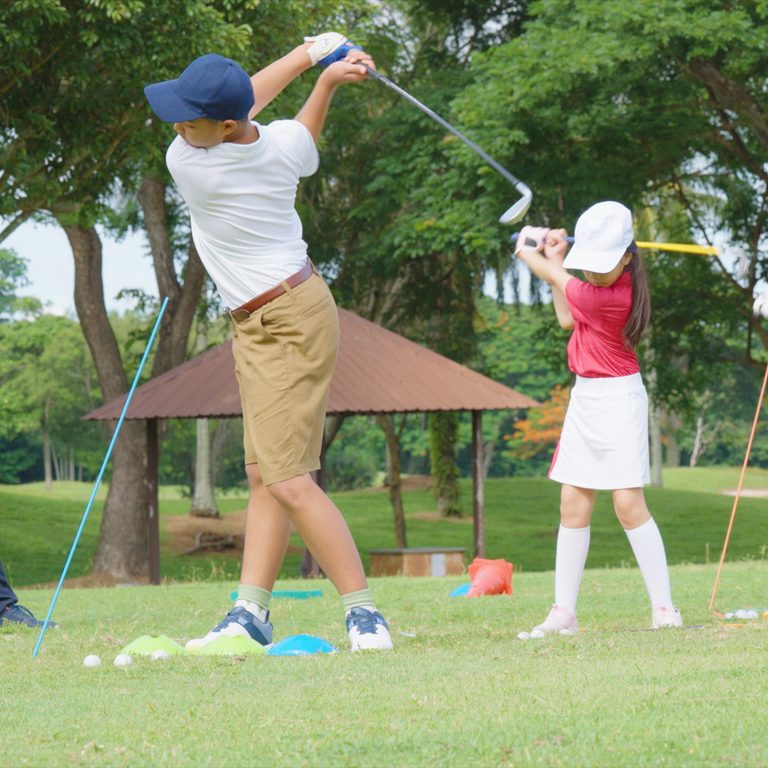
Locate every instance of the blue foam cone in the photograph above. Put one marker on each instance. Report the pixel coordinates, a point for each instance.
(301, 645)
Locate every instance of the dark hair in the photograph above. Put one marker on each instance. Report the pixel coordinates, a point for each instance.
(640, 313)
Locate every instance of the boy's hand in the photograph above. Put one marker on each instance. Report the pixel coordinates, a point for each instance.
(348, 71)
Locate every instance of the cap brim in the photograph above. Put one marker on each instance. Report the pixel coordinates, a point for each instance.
(167, 105)
(600, 262)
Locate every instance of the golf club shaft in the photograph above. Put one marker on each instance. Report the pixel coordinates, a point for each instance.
(701, 250)
(521, 188)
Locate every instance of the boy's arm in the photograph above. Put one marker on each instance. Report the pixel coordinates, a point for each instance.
(312, 115)
(549, 267)
(269, 82)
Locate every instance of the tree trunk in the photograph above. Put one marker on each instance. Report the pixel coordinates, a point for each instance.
(698, 441)
(123, 538)
(204, 500)
(47, 469)
(443, 427)
(395, 482)
(122, 547)
(203, 497)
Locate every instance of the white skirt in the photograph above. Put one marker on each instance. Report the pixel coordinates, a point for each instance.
(604, 442)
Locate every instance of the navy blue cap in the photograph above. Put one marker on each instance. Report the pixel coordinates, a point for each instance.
(211, 86)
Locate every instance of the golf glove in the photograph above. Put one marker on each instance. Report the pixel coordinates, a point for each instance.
(531, 237)
(329, 47)
(760, 307)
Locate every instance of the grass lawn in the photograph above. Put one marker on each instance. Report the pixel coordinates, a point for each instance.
(459, 689)
(37, 527)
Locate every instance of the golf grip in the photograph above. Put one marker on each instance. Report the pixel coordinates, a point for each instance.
(532, 243)
(522, 188)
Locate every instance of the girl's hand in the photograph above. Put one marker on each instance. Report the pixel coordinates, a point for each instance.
(531, 238)
(555, 245)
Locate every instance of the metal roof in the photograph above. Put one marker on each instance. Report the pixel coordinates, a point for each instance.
(377, 371)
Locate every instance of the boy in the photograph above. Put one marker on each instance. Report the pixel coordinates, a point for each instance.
(239, 180)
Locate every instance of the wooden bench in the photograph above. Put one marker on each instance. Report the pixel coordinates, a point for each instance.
(418, 561)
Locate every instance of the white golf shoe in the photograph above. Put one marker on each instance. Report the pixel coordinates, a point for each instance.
(368, 630)
(666, 616)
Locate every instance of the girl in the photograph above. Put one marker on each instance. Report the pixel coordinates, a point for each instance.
(604, 441)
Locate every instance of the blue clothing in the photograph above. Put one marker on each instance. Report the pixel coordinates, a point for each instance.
(7, 595)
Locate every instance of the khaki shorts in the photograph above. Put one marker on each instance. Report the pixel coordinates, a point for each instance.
(285, 355)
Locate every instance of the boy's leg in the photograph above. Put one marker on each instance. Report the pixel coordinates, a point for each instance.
(325, 531)
(576, 505)
(648, 548)
(266, 540)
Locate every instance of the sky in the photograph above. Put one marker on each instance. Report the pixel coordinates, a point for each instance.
(51, 267)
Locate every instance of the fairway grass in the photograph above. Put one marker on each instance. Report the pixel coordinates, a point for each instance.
(459, 689)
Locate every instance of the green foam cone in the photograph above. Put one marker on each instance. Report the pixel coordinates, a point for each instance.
(146, 645)
(230, 646)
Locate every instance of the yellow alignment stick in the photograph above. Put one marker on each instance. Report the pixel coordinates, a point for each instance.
(704, 250)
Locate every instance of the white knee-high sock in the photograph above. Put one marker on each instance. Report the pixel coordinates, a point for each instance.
(648, 548)
(572, 549)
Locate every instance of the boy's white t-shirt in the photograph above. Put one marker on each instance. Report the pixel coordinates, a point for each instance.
(241, 200)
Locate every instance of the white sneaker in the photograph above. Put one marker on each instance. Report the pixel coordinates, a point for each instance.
(368, 631)
(559, 620)
(238, 622)
(666, 616)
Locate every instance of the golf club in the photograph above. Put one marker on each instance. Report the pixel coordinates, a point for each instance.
(701, 250)
(513, 214)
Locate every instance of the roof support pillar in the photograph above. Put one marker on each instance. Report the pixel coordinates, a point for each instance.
(153, 501)
(478, 484)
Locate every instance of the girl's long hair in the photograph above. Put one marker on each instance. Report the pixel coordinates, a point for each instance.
(640, 313)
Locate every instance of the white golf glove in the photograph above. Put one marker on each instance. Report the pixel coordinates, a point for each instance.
(760, 307)
(326, 44)
(531, 237)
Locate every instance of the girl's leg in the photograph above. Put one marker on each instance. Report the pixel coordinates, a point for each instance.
(576, 505)
(648, 548)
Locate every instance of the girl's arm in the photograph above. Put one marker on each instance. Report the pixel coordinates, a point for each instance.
(548, 266)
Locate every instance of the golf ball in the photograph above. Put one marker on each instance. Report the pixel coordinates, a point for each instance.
(159, 655)
(523, 635)
(536, 634)
(123, 660)
(91, 661)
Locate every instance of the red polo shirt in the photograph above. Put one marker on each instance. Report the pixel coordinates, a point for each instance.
(596, 347)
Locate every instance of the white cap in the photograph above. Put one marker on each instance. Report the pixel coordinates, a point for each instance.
(603, 234)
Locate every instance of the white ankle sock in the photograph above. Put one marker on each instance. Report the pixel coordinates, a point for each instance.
(259, 612)
(572, 549)
(648, 549)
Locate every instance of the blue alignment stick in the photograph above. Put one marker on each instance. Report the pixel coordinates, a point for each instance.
(100, 475)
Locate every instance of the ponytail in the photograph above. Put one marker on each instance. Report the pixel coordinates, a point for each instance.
(640, 313)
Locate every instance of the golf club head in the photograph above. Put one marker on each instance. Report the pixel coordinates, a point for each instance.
(516, 212)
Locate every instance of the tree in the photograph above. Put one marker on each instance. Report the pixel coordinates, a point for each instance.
(77, 134)
(46, 383)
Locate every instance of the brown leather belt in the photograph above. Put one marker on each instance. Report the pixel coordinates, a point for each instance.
(244, 311)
